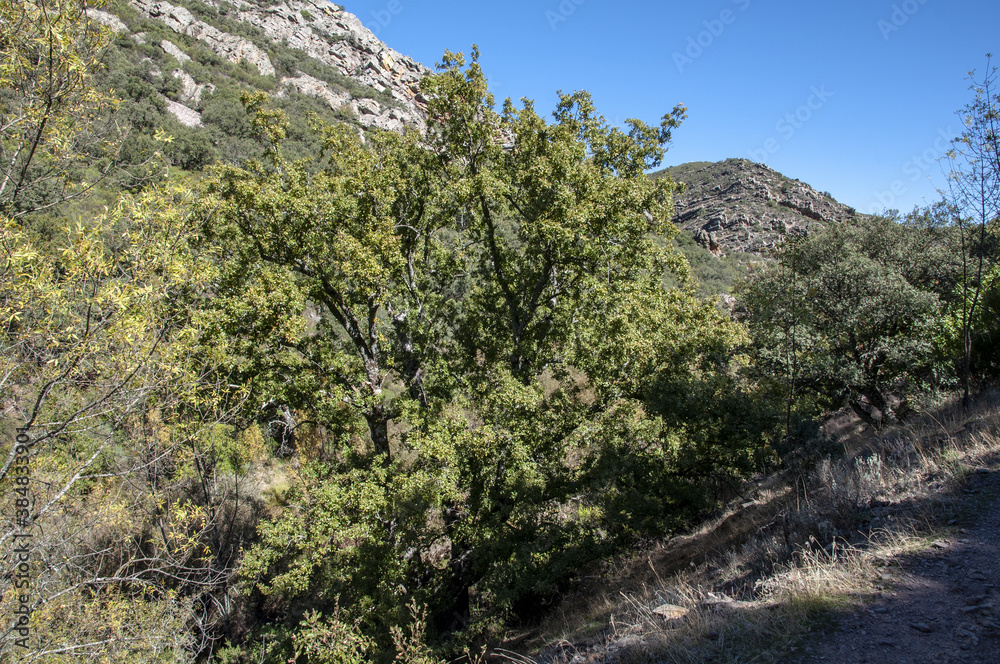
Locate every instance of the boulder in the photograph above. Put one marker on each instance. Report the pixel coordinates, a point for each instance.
(172, 49)
(186, 116)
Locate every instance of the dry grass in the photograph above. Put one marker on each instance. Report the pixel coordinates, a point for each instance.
(756, 581)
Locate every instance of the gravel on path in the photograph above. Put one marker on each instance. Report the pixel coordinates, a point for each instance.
(936, 606)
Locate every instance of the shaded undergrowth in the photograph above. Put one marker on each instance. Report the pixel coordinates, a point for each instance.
(758, 582)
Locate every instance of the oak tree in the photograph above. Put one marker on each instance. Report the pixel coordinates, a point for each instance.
(848, 314)
(471, 320)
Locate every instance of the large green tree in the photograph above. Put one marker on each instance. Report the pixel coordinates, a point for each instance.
(849, 315)
(470, 321)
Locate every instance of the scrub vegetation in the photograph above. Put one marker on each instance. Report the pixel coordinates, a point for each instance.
(295, 392)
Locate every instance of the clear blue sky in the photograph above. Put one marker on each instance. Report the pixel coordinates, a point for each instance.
(854, 97)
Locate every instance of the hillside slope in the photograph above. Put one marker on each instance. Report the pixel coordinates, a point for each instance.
(880, 549)
(352, 70)
(740, 206)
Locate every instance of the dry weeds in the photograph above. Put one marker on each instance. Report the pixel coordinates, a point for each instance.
(756, 582)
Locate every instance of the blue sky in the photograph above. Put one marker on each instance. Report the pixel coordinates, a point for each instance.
(855, 97)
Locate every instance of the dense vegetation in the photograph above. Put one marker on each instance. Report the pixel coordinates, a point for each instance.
(295, 395)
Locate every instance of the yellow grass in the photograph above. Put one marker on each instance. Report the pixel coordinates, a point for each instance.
(758, 579)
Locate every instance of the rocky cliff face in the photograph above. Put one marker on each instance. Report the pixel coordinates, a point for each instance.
(740, 206)
(321, 30)
(228, 46)
(734, 206)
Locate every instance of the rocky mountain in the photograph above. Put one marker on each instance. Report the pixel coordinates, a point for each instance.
(316, 49)
(738, 206)
(382, 84)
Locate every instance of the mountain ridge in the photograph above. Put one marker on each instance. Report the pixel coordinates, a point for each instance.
(733, 206)
(737, 205)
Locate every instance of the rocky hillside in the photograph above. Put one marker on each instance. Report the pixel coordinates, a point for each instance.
(378, 86)
(740, 206)
(316, 49)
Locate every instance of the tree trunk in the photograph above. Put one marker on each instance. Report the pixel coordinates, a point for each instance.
(865, 416)
(966, 366)
(378, 426)
(455, 612)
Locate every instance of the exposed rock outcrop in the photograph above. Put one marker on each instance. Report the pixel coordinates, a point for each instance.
(338, 39)
(741, 206)
(225, 45)
(192, 90)
(172, 49)
(107, 19)
(368, 112)
(323, 31)
(313, 87)
(186, 116)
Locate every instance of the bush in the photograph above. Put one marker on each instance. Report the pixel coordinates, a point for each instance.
(192, 150)
(848, 314)
(225, 113)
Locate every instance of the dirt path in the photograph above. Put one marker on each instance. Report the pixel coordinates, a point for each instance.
(939, 605)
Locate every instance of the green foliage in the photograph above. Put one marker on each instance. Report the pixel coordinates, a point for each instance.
(53, 122)
(849, 315)
(974, 199)
(465, 338)
(986, 362)
(328, 641)
(712, 274)
(558, 228)
(983, 322)
(191, 150)
(476, 323)
(136, 460)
